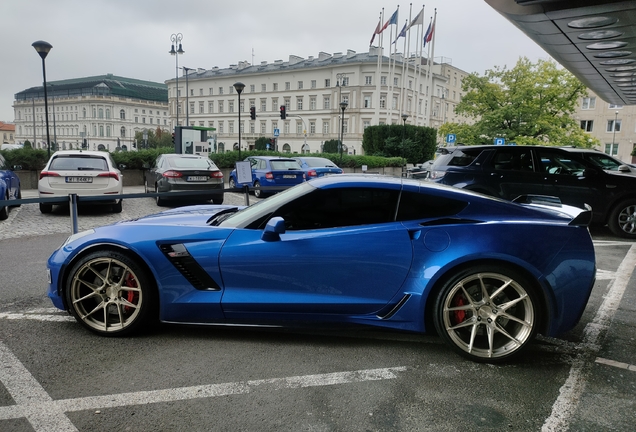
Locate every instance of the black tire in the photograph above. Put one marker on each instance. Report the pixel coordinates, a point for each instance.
(4, 210)
(217, 200)
(46, 208)
(160, 201)
(465, 314)
(622, 219)
(232, 185)
(19, 197)
(117, 207)
(258, 193)
(110, 294)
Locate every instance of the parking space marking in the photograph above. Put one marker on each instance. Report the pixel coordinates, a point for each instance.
(570, 393)
(616, 364)
(46, 414)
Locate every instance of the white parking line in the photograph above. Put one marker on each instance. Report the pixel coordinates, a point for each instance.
(45, 414)
(571, 391)
(616, 364)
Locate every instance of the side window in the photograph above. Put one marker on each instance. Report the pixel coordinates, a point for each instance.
(416, 205)
(560, 164)
(513, 159)
(340, 208)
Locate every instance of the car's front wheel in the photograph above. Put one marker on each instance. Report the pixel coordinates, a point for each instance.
(487, 313)
(4, 210)
(46, 208)
(258, 193)
(110, 294)
(232, 183)
(622, 219)
(160, 201)
(117, 207)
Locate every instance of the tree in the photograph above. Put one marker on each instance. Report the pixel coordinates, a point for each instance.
(528, 104)
(156, 138)
(330, 146)
(415, 143)
(261, 143)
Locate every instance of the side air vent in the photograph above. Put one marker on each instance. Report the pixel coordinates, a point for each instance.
(179, 256)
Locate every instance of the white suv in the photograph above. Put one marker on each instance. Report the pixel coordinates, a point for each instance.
(85, 173)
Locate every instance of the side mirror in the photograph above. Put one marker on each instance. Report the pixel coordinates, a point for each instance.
(624, 169)
(274, 228)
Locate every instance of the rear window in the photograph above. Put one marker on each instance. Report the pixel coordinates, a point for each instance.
(319, 163)
(79, 163)
(284, 164)
(196, 163)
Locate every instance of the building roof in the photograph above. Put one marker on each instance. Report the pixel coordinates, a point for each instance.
(8, 127)
(102, 85)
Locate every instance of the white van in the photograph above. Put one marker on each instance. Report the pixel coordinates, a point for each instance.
(10, 147)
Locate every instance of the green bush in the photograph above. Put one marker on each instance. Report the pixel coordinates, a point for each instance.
(27, 158)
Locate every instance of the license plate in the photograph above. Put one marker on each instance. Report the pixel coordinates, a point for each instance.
(289, 176)
(197, 178)
(79, 179)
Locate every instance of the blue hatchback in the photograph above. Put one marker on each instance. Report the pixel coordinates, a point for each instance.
(317, 167)
(270, 171)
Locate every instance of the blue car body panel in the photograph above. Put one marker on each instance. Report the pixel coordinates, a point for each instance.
(262, 166)
(382, 274)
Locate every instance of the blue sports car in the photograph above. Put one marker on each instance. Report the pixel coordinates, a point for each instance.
(397, 253)
(9, 187)
(270, 171)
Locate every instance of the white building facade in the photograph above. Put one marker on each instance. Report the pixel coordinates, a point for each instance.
(104, 112)
(313, 91)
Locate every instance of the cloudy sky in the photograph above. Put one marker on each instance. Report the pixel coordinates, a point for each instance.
(131, 38)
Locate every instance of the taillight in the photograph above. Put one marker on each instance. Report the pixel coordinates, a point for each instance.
(312, 173)
(48, 174)
(172, 174)
(216, 174)
(109, 174)
(269, 176)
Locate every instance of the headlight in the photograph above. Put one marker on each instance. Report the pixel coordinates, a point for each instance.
(76, 236)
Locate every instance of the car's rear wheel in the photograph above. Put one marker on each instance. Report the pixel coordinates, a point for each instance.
(117, 207)
(232, 184)
(46, 208)
(4, 210)
(487, 313)
(258, 193)
(622, 220)
(217, 200)
(160, 201)
(19, 197)
(110, 294)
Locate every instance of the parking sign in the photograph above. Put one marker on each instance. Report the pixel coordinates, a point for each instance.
(451, 138)
(500, 141)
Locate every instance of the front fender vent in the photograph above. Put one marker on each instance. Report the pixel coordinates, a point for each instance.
(179, 256)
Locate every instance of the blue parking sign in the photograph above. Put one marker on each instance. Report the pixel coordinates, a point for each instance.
(451, 138)
(500, 141)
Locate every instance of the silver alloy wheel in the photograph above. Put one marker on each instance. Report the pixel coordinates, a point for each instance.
(488, 315)
(106, 295)
(232, 184)
(627, 219)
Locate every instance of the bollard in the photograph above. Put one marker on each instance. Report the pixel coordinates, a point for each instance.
(246, 189)
(73, 210)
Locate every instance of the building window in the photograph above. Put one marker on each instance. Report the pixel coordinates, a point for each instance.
(367, 102)
(287, 85)
(614, 125)
(122, 132)
(300, 85)
(220, 105)
(382, 102)
(345, 126)
(122, 114)
(299, 128)
(287, 103)
(252, 128)
(383, 80)
(263, 128)
(365, 124)
(394, 104)
(326, 102)
(325, 127)
(211, 91)
(327, 83)
(395, 81)
(231, 127)
(587, 125)
(220, 90)
(191, 108)
(201, 107)
(231, 89)
(263, 87)
(611, 149)
(345, 81)
(275, 86)
(264, 105)
(252, 89)
(230, 106)
(312, 103)
(275, 104)
(101, 130)
(367, 80)
(313, 84)
(299, 104)
(286, 128)
(210, 107)
(220, 127)
(312, 128)
(101, 113)
(612, 106)
(588, 103)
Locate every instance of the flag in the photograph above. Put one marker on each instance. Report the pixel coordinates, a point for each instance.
(402, 33)
(429, 33)
(391, 21)
(419, 19)
(377, 30)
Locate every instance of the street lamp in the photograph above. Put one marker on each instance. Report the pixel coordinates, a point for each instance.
(614, 134)
(176, 39)
(239, 86)
(404, 117)
(343, 107)
(43, 49)
(187, 70)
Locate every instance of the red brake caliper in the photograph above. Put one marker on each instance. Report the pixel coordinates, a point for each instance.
(132, 296)
(460, 315)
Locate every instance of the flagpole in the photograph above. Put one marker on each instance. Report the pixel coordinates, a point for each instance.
(392, 72)
(431, 62)
(418, 70)
(378, 72)
(407, 44)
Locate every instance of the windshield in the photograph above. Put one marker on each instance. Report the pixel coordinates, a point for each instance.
(253, 216)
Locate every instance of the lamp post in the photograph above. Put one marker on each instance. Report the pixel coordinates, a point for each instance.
(43, 49)
(404, 117)
(239, 86)
(176, 39)
(614, 133)
(187, 70)
(343, 107)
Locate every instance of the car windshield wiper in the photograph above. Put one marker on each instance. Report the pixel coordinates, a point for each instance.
(219, 217)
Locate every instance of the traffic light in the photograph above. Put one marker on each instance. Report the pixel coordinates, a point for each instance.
(283, 114)
(253, 113)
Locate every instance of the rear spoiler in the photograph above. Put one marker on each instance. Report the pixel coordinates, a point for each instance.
(580, 216)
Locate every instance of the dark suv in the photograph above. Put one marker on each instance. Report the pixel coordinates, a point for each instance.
(510, 171)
